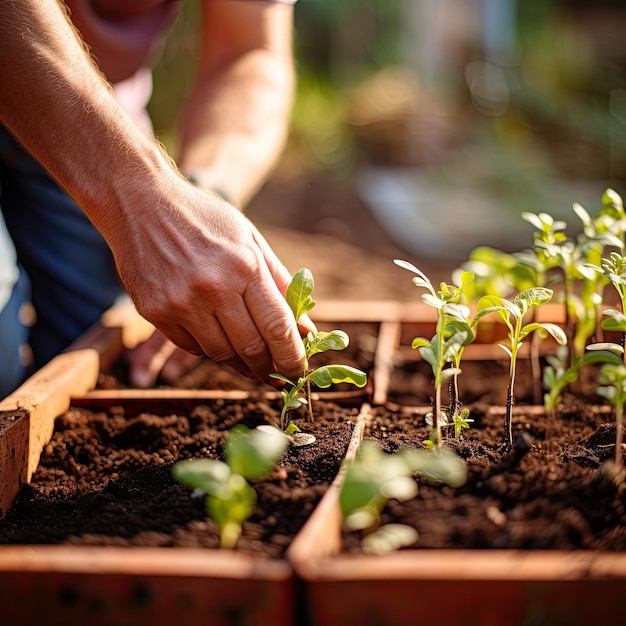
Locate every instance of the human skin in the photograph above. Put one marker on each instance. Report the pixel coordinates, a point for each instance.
(193, 264)
(233, 126)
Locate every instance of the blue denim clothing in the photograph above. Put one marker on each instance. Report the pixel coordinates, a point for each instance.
(68, 264)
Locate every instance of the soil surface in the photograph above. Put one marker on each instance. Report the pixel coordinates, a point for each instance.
(105, 479)
(553, 491)
(105, 476)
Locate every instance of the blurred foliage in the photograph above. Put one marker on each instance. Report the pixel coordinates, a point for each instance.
(562, 106)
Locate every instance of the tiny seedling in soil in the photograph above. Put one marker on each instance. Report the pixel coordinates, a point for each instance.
(559, 258)
(556, 259)
(444, 351)
(297, 393)
(229, 498)
(513, 313)
(612, 355)
(374, 477)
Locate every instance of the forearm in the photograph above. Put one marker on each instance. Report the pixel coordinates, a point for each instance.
(235, 124)
(236, 121)
(59, 106)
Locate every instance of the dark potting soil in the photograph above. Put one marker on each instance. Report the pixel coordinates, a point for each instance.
(552, 492)
(105, 479)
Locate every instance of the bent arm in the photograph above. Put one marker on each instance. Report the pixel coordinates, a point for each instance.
(236, 120)
(56, 102)
(194, 266)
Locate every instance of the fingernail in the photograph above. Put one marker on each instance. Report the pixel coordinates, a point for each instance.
(141, 378)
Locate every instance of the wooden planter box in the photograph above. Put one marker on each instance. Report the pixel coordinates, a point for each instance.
(315, 583)
(66, 585)
(447, 587)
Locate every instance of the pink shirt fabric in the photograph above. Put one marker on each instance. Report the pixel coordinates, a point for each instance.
(126, 37)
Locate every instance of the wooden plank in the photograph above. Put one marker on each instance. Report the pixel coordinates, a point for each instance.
(27, 415)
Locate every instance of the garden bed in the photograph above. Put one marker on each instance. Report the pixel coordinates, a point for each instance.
(508, 569)
(529, 538)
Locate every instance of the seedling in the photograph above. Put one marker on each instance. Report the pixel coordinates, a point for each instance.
(612, 355)
(374, 478)
(298, 393)
(452, 334)
(460, 421)
(613, 387)
(555, 256)
(513, 313)
(229, 498)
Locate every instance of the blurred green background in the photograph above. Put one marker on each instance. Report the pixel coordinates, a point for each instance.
(466, 111)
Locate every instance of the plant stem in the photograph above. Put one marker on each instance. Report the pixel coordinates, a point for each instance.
(510, 401)
(283, 416)
(535, 366)
(229, 534)
(436, 420)
(308, 399)
(619, 413)
(455, 403)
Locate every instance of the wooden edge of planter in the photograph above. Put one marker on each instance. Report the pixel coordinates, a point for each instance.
(183, 562)
(465, 565)
(321, 533)
(404, 311)
(27, 416)
(139, 400)
(77, 585)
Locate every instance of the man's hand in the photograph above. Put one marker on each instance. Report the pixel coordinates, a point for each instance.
(203, 275)
(193, 264)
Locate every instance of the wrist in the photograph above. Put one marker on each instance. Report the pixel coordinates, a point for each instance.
(202, 180)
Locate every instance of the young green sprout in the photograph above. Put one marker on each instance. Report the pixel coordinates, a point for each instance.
(374, 478)
(612, 355)
(556, 256)
(296, 393)
(513, 313)
(229, 498)
(444, 350)
(460, 421)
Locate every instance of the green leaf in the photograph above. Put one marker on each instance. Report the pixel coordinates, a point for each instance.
(327, 375)
(388, 538)
(433, 301)
(448, 373)
(299, 293)
(208, 475)
(423, 279)
(324, 341)
(231, 512)
(437, 465)
(284, 379)
(429, 354)
(420, 342)
(254, 453)
(615, 320)
(556, 331)
(532, 297)
(491, 304)
(604, 353)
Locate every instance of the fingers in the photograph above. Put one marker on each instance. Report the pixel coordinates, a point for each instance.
(147, 360)
(157, 356)
(218, 290)
(306, 326)
(177, 365)
(275, 323)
